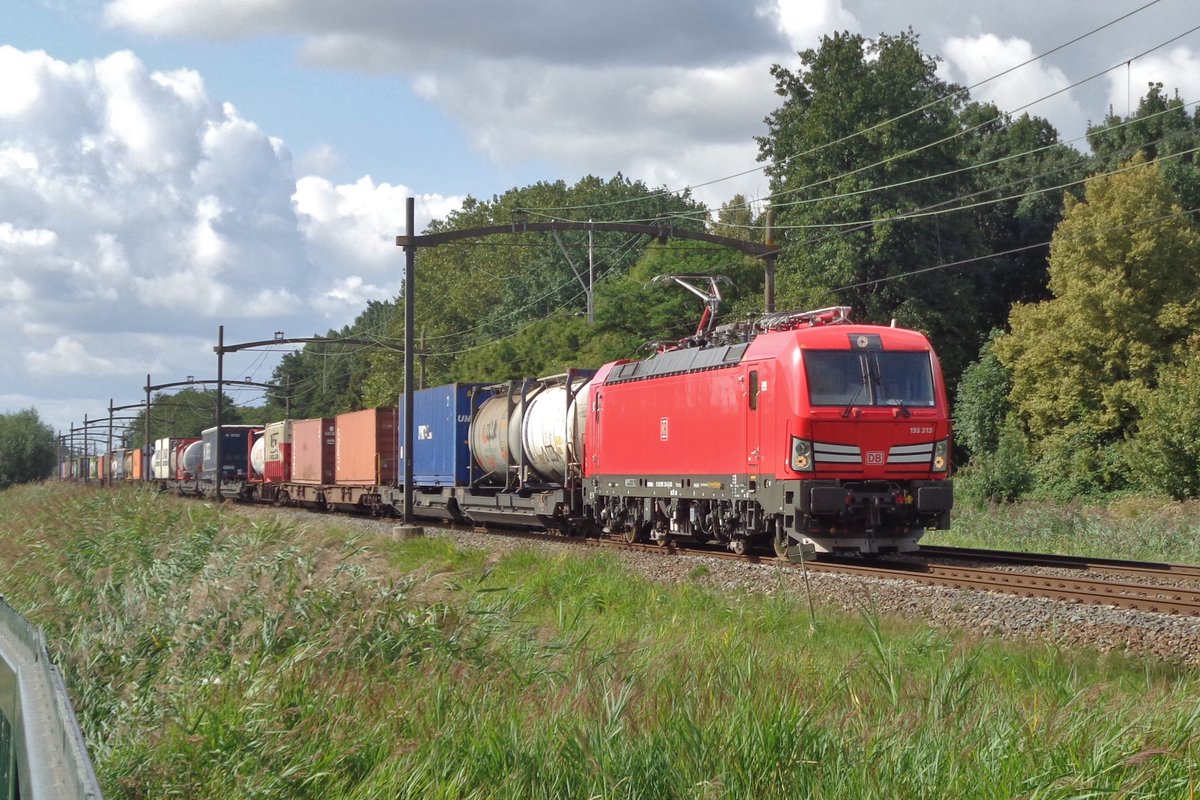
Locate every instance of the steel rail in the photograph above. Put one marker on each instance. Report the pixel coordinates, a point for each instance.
(1126, 566)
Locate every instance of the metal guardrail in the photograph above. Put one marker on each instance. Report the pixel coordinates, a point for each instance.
(42, 753)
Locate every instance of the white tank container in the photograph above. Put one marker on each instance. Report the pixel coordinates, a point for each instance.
(258, 455)
(552, 433)
(193, 457)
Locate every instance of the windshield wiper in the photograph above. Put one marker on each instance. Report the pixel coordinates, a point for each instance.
(877, 375)
(853, 397)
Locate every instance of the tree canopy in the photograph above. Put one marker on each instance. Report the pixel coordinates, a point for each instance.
(864, 145)
(181, 415)
(1084, 361)
(28, 448)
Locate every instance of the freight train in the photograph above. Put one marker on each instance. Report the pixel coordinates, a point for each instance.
(802, 431)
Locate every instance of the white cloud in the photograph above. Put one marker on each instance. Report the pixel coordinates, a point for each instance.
(350, 295)
(137, 214)
(976, 59)
(1177, 70)
(805, 21)
(386, 34)
(590, 89)
(69, 356)
(321, 160)
(356, 224)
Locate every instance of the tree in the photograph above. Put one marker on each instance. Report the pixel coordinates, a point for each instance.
(28, 448)
(181, 415)
(1123, 305)
(1017, 166)
(1166, 447)
(981, 402)
(476, 299)
(847, 158)
(327, 378)
(1160, 129)
(736, 219)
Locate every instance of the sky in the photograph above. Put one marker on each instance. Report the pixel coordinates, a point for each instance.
(171, 166)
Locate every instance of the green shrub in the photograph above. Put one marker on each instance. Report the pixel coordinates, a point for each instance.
(1001, 476)
(1166, 447)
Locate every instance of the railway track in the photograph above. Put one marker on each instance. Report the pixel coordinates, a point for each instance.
(1153, 597)
(1122, 566)
(1158, 598)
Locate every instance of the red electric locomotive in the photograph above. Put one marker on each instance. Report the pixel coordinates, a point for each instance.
(812, 432)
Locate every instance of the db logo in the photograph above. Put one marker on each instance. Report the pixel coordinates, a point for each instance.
(874, 457)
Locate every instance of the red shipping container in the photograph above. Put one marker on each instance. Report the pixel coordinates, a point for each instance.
(365, 452)
(313, 449)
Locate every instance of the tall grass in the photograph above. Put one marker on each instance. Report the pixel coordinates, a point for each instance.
(215, 654)
(1127, 527)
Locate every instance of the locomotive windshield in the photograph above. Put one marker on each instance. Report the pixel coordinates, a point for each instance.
(869, 378)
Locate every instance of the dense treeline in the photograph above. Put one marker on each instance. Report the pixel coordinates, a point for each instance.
(894, 193)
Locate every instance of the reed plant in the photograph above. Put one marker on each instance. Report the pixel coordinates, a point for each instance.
(217, 654)
(1132, 527)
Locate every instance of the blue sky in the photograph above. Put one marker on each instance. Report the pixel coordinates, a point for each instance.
(168, 166)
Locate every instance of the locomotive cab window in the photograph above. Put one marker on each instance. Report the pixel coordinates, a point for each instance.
(875, 378)
(753, 390)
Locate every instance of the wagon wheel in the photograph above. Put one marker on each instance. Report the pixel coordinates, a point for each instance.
(738, 545)
(781, 543)
(635, 532)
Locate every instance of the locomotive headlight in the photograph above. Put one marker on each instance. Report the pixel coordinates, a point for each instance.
(802, 459)
(941, 455)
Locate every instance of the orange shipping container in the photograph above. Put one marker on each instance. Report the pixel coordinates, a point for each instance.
(365, 448)
(313, 447)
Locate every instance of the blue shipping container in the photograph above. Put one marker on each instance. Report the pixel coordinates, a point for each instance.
(235, 452)
(441, 426)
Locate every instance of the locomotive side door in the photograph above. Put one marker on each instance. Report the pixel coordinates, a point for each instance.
(754, 382)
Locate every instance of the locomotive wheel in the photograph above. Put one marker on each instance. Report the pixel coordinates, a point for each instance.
(738, 545)
(781, 544)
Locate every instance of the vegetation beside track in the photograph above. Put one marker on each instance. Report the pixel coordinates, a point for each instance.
(217, 654)
(1133, 527)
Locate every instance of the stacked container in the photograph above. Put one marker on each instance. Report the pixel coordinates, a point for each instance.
(135, 466)
(235, 452)
(165, 459)
(187, 458)
(365, 448)
(277, 439)
(117, 462)
(441, 430)
(314, 444)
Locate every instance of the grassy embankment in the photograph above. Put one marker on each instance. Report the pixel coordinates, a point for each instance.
(214, 654)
